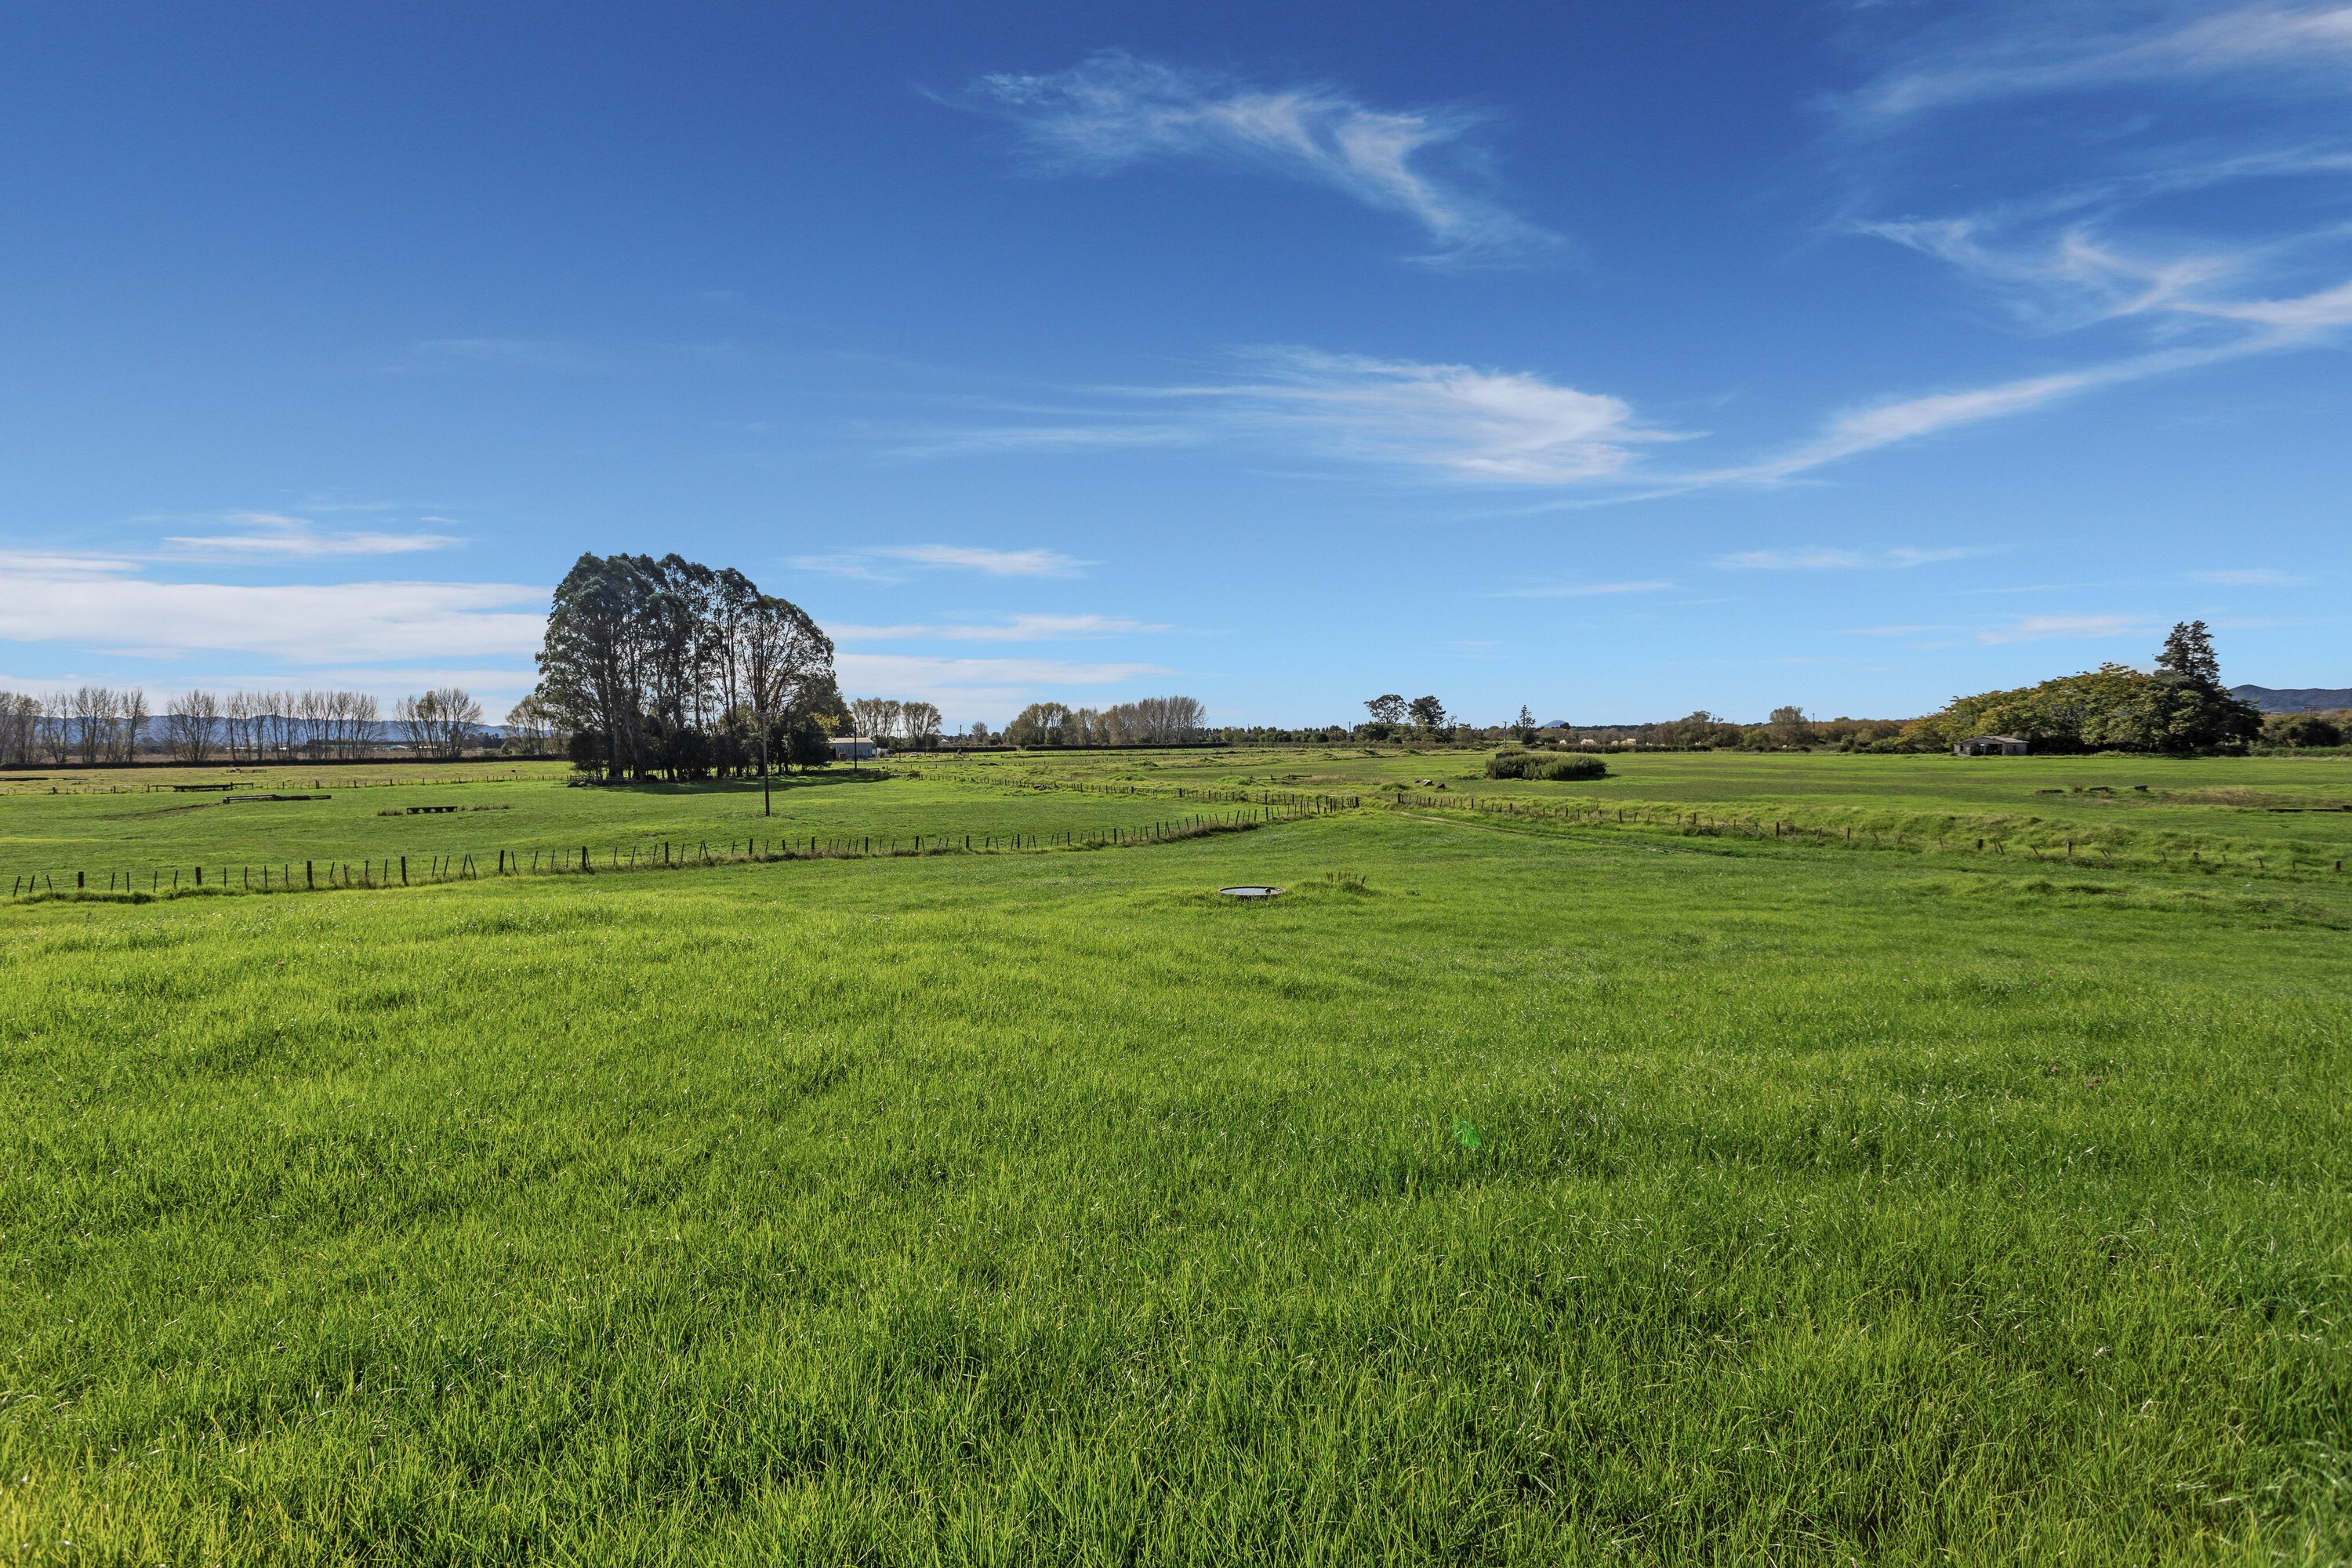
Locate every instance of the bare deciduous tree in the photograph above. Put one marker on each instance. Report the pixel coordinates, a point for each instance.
(91, 709)
(58, 730)
(20, 728)
(131, 717)
(530, 729)
(189, 724)
(417, 719)
(440, 722)
(236, 726)
(366, 723)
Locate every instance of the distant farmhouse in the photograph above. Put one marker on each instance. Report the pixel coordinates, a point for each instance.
(1991, 746)
(2294, 700)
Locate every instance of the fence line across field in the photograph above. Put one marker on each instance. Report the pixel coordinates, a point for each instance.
(1264, 807)
(411, 870)
(1987, 839)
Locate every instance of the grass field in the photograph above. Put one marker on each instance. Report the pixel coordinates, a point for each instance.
(2272, 816)
(1515, 1189)
(133, 827)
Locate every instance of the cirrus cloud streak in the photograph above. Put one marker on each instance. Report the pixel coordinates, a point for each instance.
(1112, 110)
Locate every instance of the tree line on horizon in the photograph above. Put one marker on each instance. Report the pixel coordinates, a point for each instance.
(890, 721)
(1146, 722)
(2179, 706)
(666, 667)
(96, 725)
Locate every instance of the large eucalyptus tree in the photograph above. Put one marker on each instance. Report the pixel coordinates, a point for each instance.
(670, 666)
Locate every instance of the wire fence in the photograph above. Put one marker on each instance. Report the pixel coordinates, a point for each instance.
(378, 872)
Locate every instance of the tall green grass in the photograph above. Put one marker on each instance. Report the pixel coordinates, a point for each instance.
(1491, 1197)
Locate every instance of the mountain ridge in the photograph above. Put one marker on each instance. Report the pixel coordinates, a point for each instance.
(2294, 699)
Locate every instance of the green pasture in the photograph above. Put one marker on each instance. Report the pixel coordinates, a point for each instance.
(2282, 809)
(1509, 1191)
(135, 823)
(2269, 815)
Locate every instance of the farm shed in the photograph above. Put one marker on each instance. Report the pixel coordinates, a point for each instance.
(1991, 746)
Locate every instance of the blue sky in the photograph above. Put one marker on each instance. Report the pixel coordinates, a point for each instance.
(1616, 361)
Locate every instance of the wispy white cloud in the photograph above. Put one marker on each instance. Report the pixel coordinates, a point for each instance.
(64, 566)
(2249, 577)
(2069, 234)
(107, 603)
(861, 567)
(271, 533)
(2053, 48)
(1819, 560)
(877, 565)
(1454, 422)
(1113, 110)
(989, 562)
(1458, 420)
(1910, 418)
(2279, 325)
(1013, 629)
(2077, 628)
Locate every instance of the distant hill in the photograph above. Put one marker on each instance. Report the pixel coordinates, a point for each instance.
(2294, 700)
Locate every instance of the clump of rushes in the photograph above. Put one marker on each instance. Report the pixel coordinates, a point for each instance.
(1536, 765)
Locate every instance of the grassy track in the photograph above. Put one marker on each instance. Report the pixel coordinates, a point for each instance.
(1547, 1195)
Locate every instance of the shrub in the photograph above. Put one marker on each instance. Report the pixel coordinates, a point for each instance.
(1536, 765)
(2301, 730)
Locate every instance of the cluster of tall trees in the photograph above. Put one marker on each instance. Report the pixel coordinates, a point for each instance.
(915, 725)
(20, 728)
(2181, 707)
(533, 730)
(1393, 717)
(89, 725)
(441, 723)
(1147, 721)
(280, 726)
(100, 724)
(668, 668)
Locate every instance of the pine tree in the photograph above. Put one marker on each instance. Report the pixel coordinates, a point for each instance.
(2189, 655)
(2193, 713)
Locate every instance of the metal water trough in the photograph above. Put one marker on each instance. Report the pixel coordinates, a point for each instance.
(1251, 891)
